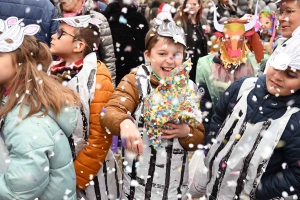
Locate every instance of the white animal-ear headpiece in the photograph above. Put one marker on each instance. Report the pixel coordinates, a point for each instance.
(287, 55)
(13, 35)
(81, 21)
(5, 24)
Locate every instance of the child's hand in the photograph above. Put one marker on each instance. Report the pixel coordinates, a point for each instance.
(267, 48)
(131, 137)
(178, 131)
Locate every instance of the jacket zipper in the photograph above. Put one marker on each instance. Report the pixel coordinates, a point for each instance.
(256, 110)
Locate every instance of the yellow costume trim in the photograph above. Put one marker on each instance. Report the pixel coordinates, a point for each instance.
(234, 27)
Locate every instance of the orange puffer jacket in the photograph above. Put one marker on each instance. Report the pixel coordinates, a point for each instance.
(118, 109)
(90, 159)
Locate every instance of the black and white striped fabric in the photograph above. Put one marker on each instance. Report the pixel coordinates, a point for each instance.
(106, 184)
(157, 174)
(238, 159)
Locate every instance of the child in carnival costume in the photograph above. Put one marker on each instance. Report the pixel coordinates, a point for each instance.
(256, 154)
(268, 34)
(37, 115)
(175, 100)
(239, 55)
(76, 43)
(145, 111)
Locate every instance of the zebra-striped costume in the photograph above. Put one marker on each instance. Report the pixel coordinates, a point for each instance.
(106, 183)
(237, 161)
(161, 174)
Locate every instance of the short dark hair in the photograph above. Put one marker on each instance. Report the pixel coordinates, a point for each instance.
(90, 35)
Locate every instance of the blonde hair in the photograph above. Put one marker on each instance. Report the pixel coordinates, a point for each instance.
(31, 83)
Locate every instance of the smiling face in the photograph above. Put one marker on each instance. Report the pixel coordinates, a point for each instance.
(266, 24)
(282, 83)
(290, 23)
(164, 56)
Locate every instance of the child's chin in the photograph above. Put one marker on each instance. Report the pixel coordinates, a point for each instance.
(166, 74)
(52, 51)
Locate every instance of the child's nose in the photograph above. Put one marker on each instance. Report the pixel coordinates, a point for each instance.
(278, 75)
(53, 36)
(170, 59)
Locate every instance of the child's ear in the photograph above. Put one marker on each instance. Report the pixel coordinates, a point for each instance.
(147, 55)
(79, 47)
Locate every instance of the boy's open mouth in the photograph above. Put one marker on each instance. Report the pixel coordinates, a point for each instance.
(167, 69)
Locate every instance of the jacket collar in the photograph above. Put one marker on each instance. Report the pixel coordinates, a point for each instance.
(154, 81)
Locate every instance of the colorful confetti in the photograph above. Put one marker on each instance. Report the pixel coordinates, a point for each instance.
(174, 101)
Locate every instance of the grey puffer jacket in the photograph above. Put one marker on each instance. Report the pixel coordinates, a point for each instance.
(106, 48)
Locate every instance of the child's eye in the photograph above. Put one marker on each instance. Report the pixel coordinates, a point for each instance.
(161, 54)
(178, 56)
(292, 75)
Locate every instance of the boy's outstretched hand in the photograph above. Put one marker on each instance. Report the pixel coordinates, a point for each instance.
(131, 137)
(176, 131)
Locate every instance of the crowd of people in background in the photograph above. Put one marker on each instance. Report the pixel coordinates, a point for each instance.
(199, 97)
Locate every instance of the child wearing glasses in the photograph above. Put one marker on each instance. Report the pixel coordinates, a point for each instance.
(256, 151)
(37, 115)
(75, 44)
(147, 110)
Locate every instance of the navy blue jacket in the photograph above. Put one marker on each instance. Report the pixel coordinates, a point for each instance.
(276, 179)
(39, 12)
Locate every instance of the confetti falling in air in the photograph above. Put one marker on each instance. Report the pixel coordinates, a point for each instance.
(27, 10)
(285, 194)
(174, 101)
(95, 48)
(122, 20)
